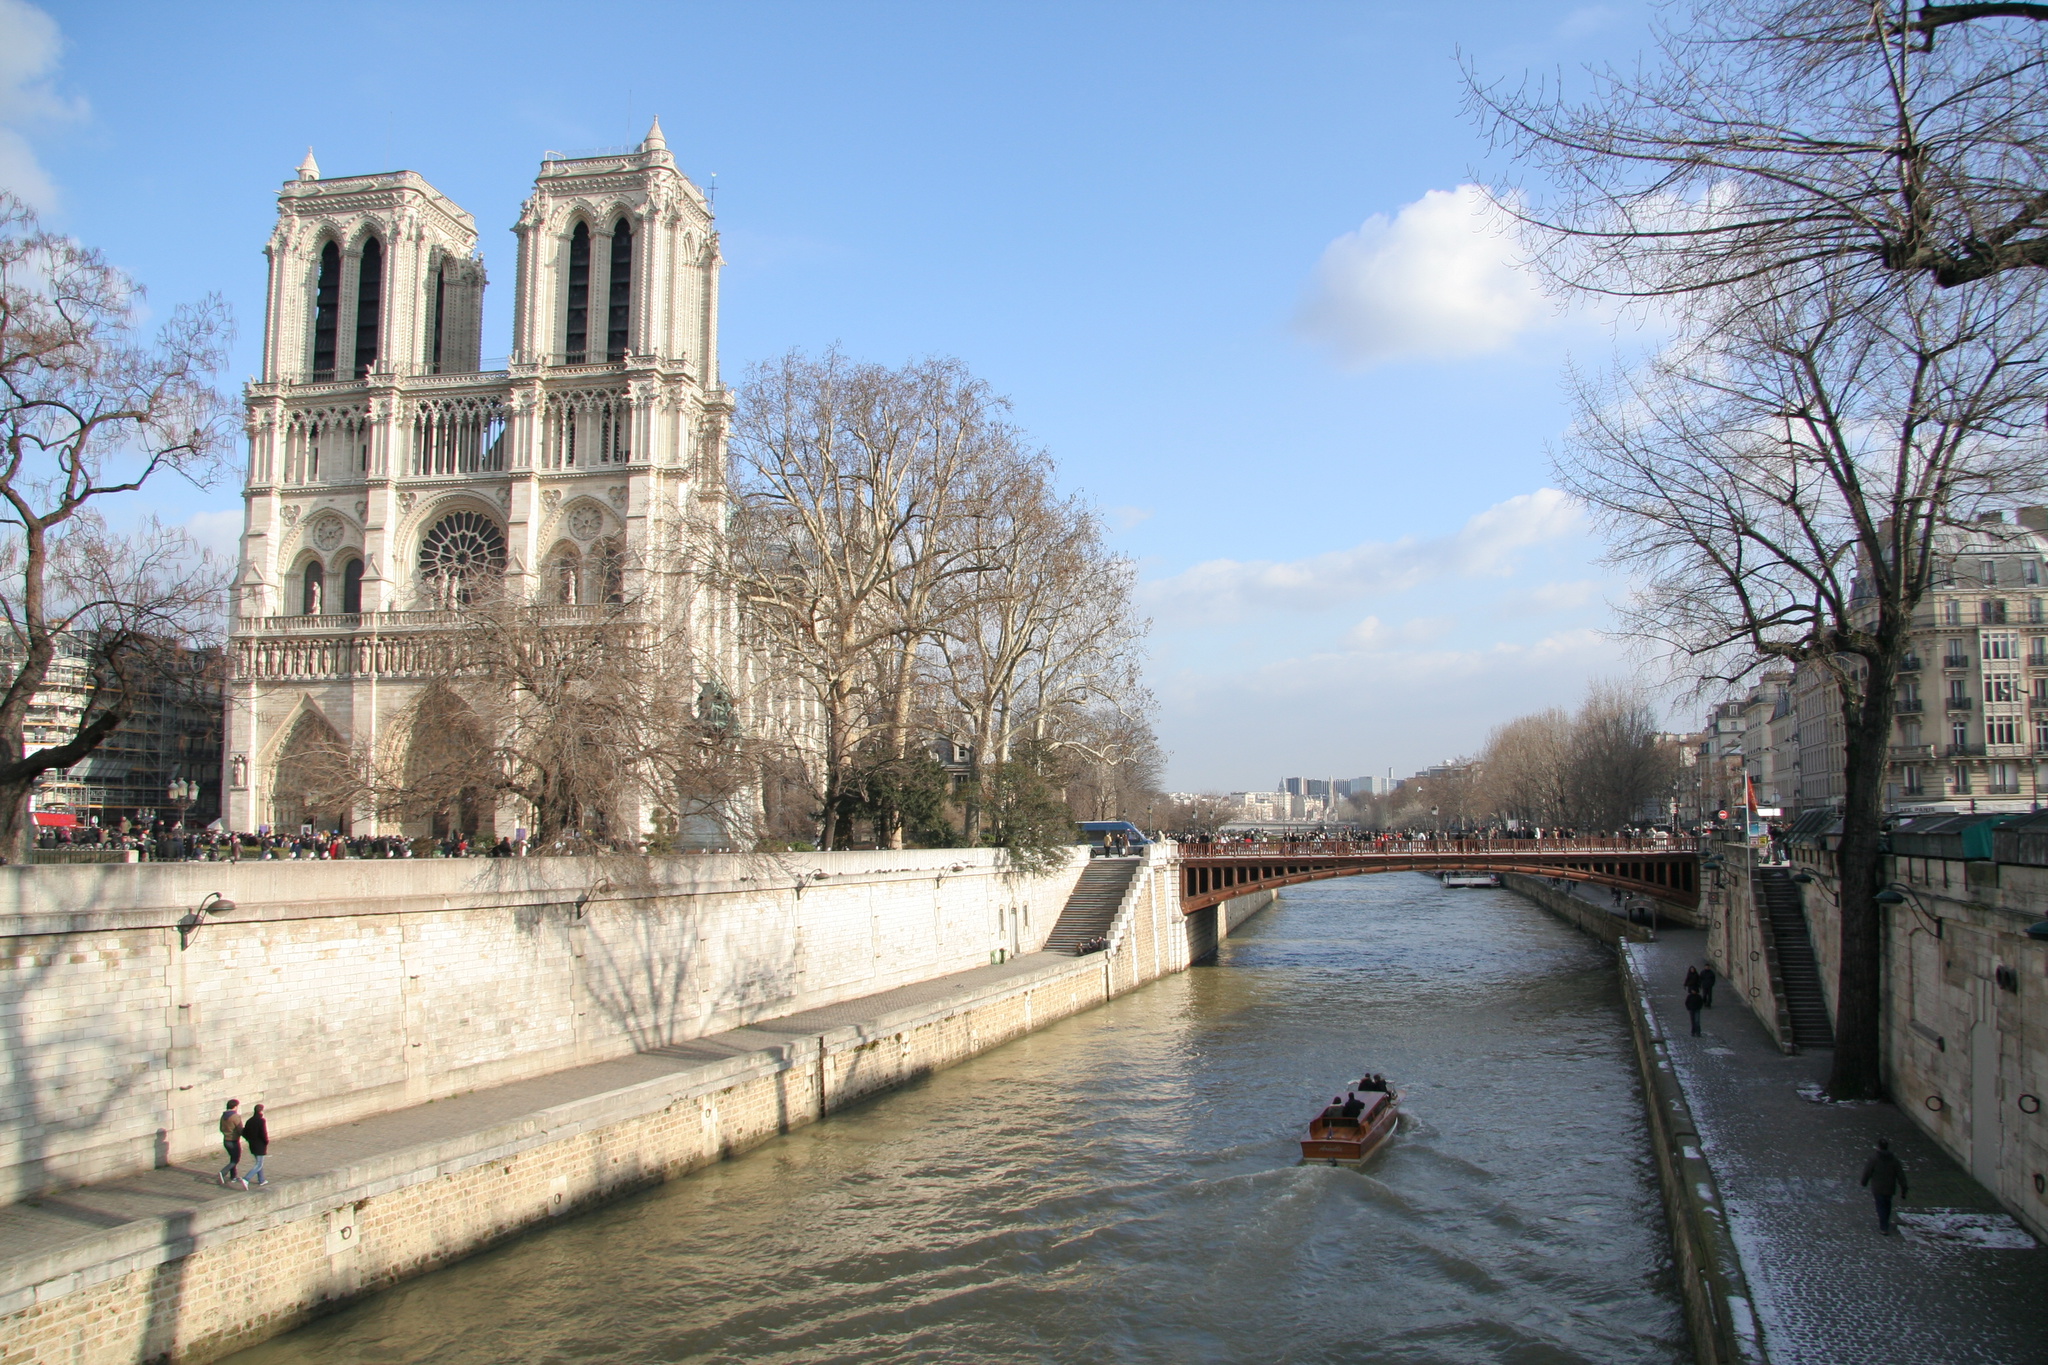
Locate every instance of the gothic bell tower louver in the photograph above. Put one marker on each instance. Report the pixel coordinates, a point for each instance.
(388, 468)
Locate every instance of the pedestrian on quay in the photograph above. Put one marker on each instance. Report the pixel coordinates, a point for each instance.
(1707, 979)
(1692, 1007)
(1692, 979)
(256, 1132)
(1885, 1177)
(231, 1141)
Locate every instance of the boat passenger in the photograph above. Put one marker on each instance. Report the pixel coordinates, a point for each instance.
(1353, 1107)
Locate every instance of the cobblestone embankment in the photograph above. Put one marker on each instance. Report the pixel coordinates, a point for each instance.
(1960, 1282)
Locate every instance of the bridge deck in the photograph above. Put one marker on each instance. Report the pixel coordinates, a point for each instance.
(1216, 872)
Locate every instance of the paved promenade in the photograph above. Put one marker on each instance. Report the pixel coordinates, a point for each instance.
(1961, 1283)
(40, 1226)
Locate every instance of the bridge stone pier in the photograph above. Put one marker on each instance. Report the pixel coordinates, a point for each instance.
(1215, 872)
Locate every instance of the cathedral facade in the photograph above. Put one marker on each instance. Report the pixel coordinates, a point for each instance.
(392, 474)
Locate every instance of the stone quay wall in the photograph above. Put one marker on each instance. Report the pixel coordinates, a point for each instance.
(1611, 930)
(1743, 947)
(195, 1287)
(1965, 1010)
(336, 990)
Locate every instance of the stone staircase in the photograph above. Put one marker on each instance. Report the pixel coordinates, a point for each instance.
(1092, 908)
(1798, 971)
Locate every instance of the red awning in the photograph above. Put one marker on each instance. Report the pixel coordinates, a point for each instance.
(56, 819)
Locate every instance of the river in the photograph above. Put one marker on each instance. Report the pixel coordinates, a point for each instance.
(1124, 1185)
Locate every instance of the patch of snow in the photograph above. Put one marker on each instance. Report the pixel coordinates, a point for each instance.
(1961, 1228)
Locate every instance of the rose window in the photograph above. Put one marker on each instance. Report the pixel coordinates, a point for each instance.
(461, 547)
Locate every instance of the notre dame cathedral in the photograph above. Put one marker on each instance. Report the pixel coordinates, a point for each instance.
(391, 467)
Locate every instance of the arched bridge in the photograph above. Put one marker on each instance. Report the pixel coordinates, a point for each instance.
(1215, 872)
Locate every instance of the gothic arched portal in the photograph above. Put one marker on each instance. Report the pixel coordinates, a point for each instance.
(310, 782)
(448, 762)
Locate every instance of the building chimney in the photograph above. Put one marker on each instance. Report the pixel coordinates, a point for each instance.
(1991, 518)
(2033, 518)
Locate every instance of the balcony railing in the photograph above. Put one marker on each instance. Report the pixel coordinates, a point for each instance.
(349, 622)
(1959, 703)
(1964, 751)
(1910, 664)
(1907, 705)
(1905, 751)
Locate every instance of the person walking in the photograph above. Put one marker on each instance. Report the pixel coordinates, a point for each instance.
(1692, 1007)
(256, 1132)
(231, 1142)
(1692, 978)
(1885, 1177)
(1707, 979)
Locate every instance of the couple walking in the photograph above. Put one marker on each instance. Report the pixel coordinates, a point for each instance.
(1699, 992)
(236, 1130)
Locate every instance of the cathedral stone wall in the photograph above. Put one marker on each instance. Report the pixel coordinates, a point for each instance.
(335, 990)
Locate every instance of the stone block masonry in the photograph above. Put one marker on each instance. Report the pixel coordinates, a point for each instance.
(223, 1273)
(339, 990)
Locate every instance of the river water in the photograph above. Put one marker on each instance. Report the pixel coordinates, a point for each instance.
(1124, 1185)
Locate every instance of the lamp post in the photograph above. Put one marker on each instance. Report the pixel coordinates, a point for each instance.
(182, 794)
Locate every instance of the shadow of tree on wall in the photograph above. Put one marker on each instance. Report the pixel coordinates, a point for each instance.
(43, 1108)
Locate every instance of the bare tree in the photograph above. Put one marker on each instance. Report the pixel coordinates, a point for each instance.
(91, 410)
(1528, 766)
(1620, 763)
(856, 496)
(1043, 645)
(1778, 488)
(592, 726)
(1776, 140)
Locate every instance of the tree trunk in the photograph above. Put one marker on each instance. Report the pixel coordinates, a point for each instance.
(1858, 1071)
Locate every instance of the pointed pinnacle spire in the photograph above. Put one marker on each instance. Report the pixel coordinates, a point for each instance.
(654, 141)
(309, 169)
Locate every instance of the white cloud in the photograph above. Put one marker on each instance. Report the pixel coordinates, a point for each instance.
(29, 47)
(1125, 518)
(1436, 282)
(1485, 546)
(1545, 598)
(1374, 634)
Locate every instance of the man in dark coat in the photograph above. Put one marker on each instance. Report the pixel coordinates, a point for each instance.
(1707, 984)
(1885, 1177)
(256, 1132)
(1692, 1007)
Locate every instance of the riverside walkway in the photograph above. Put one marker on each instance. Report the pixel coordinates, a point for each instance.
(39, 1236)
(1960, 1283)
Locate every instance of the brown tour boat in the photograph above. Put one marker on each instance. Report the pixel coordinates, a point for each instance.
(1354, 1127)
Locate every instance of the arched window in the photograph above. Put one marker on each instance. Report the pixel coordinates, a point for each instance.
(352, 586)
(312, 589)
(461, 551)
(326, 309)
(576, 343)
(369, 305)
(620, 302)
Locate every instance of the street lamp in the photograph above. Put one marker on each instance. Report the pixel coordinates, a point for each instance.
(182, 795)
(1895, 894)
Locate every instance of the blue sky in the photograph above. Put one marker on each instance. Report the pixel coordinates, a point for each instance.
(1216, 254)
